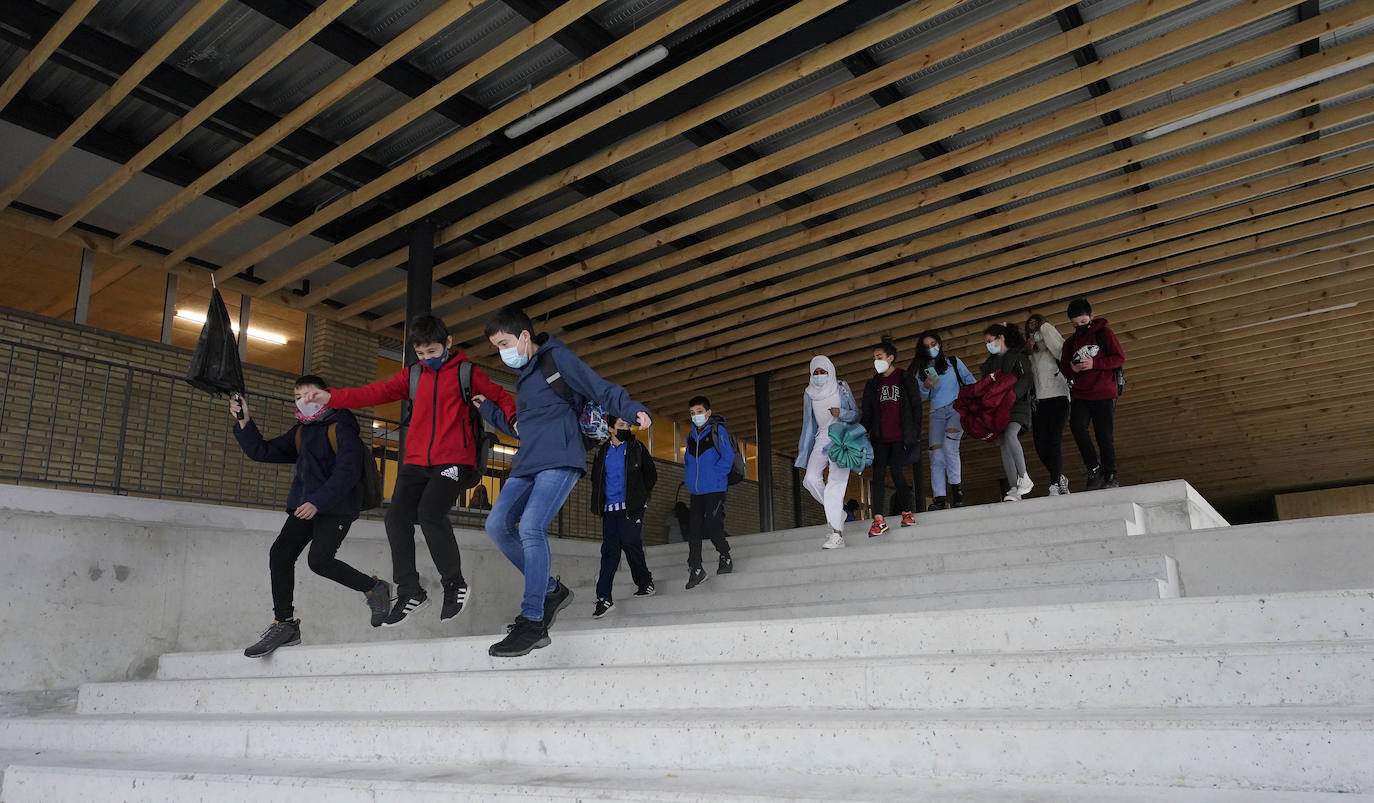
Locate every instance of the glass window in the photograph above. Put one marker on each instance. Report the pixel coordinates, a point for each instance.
(664, 428)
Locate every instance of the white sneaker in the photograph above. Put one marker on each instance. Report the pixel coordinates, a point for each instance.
(835, 541)
(1013, 495)
(1063, 485)
(1024, 484)
(1054, 489)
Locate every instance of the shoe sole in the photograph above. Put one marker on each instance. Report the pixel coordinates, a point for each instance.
(294, 642)
(466, 605)
(414, 611)
(538, 645)
(601, 615)
(832, 546)
(691, 586)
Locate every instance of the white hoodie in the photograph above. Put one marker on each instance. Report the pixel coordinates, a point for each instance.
(1049, 383)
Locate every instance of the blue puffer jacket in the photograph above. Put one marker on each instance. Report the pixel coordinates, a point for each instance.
(328, 481)
(849, 413)
(709, 456)
(549, 433)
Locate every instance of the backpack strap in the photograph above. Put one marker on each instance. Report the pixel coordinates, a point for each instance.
(415, 369)
(465, 381)
(954, 364)
(332, 432)
(298, 440)
(554, 377)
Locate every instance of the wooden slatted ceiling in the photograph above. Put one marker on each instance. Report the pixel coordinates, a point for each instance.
(1235, 256)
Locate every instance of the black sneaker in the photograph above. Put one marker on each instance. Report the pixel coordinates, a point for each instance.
(725, 566)
(556, 600)
(696, 577)
(603, 607)
(379, 600)
(406, 604)
(522, 638)
(1096, 479)
(645, 590)
(1109, 481)
(280, 634)
(455, 598)
(937, 504)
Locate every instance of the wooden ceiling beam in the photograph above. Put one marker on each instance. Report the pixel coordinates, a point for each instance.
(403, 43)
(46, 46)
(275, 53)
(182, 29)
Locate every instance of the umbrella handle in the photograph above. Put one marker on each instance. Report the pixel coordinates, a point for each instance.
(238, 397)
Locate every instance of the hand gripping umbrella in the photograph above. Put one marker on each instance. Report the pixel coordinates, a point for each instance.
(215, 366)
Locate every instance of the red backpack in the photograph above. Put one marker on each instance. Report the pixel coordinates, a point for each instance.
(985, 406)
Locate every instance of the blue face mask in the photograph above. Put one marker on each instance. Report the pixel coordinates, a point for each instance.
(699, 420)
(434, 363)
(992, 348)
(934, 352)
(819, 380)
(513, 358)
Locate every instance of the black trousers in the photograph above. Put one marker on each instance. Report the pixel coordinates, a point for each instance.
(424, 495)
(622, 531)
(707, 521)
(324, 534)
(1101, 415)
(890, 458)
(1047, 426)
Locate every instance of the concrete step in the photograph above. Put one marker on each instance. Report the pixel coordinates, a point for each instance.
(898, 541)
(1301, 748)
(1334, 616)
(1243, 675)
(62, 777)
(844, 583)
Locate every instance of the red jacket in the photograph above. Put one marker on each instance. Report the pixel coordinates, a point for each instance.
(984, 407)
(1099, 342)
(440, 431)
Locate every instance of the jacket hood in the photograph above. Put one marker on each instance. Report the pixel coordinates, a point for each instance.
(1097, 324)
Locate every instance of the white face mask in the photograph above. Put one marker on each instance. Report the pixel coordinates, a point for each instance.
(934, 352)
(819, 380)
(992, 348)
(308, 409)
(1037, 337)
(881, 366)
(699, 420)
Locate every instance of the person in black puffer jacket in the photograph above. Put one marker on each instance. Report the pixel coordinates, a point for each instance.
(322, 504)
(1004, 343)
(623, 476)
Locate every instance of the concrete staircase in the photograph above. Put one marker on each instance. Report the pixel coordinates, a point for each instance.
(1032, 652)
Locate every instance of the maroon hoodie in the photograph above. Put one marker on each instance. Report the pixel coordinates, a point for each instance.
(1100, 343)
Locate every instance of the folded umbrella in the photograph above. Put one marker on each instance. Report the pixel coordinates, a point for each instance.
(215, 366)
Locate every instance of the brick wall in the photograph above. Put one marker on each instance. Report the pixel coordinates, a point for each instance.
(344, 356)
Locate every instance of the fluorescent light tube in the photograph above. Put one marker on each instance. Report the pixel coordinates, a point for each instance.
(587, 91)
(253, 332)
(1263, 95)
(1291, 317)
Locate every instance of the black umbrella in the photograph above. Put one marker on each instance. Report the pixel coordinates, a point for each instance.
(215, 366)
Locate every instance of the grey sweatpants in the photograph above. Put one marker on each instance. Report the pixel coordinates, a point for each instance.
(1013, 459)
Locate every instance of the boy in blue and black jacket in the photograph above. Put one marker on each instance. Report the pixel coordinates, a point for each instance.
(552, 385)
(323, 503)
(707, 463)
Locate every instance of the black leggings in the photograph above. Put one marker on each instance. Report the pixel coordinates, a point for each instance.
(1048, 428)
(890, 458)
(324, 534)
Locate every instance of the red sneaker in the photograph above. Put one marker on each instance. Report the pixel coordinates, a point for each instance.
(879, 526)
(908, 520)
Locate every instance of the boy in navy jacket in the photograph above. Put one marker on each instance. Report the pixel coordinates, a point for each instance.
(551, 459)
(322, 504)
(707, 463)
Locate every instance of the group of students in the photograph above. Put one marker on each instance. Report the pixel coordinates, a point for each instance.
(1053, 381)
(447, 394)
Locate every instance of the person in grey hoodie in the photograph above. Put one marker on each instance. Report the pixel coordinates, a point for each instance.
(550, 460)
(1044, 345)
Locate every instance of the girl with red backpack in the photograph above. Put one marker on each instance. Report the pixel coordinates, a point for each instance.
(1004, 344)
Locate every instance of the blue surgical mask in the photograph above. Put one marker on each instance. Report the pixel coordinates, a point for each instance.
(699, 420)
(1037, 337)
(934, 352)
(435, 363)
(513, 358)
(992, 348)
(819, 380)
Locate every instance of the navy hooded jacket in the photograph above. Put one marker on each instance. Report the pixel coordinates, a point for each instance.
(326, 480)
(550, 435)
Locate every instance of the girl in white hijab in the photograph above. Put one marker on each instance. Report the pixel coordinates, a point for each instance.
(827, 400)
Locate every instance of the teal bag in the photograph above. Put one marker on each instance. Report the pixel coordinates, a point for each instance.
(850, 447)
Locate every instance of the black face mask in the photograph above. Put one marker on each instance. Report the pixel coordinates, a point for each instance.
(625, 435)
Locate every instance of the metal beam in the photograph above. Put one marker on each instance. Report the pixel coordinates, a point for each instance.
(169, 308)
(763, 426)
(83, 286)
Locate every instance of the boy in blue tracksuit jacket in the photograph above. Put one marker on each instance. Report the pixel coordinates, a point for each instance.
(321, 506)
(707, 463)
(551, 459)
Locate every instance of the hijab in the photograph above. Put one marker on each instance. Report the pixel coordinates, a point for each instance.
(829, 393)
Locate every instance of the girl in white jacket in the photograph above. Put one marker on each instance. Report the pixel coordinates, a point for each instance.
(1044, 345)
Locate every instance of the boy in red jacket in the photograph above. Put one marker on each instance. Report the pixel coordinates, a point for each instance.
(439, 454)
(1091, 358)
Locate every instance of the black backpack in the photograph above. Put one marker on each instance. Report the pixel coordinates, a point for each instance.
(370, 484)
(738, 470)
(484, 443)
(1118, 374)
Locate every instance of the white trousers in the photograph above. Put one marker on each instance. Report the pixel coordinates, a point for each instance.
(828, 490)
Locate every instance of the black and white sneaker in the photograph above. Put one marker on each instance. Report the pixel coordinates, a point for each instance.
(455, 599)
(1096, 479)
(726, 565)
(556, 600)
(379, 600)
(603, 607)
(406, 604)
(1110, 481)
(696, 577)
(280, 634)
(522, 638)
(645, 590)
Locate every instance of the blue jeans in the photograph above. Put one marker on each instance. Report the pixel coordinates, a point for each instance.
(518, 524)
